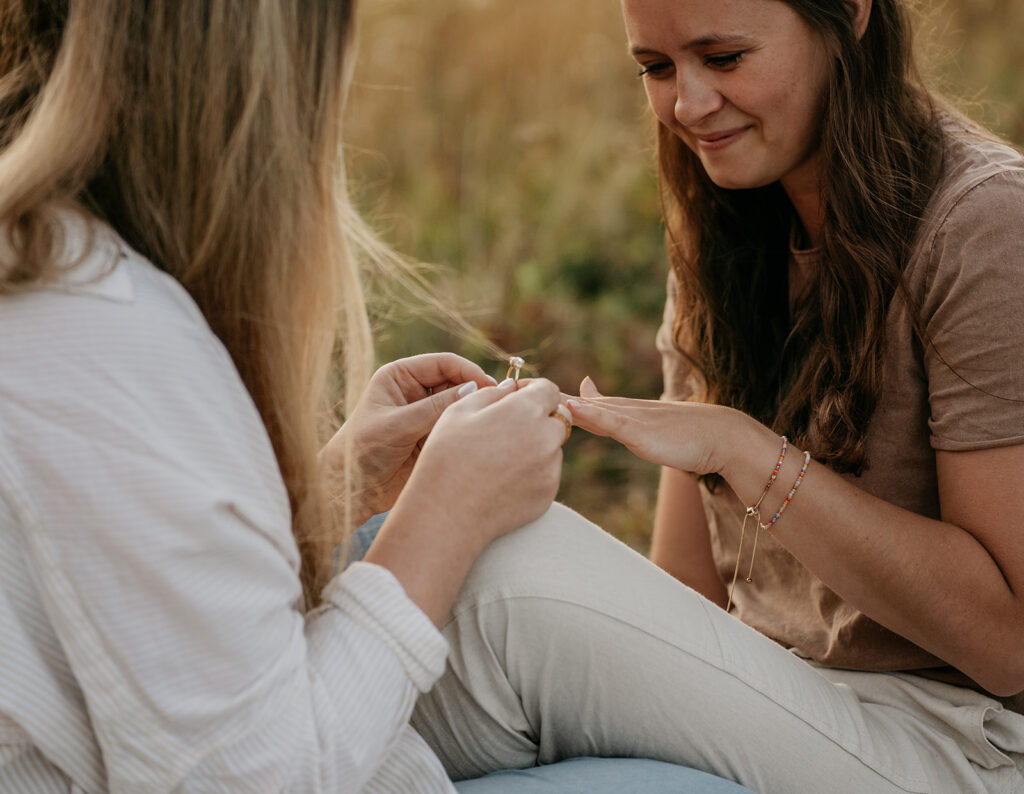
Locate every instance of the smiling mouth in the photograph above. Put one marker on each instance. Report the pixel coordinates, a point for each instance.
(719, 140)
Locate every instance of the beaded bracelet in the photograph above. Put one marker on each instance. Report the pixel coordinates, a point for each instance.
(789, 496)
(754, 512)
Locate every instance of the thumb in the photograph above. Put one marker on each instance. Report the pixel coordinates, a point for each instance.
(588, 389)
(429, 410)
(416, 419)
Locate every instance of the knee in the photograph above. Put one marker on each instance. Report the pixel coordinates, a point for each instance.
(530, 558)
(564, 557)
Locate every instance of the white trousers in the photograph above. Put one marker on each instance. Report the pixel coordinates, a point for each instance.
(565, 643)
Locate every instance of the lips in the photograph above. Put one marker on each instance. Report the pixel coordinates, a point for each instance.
(713, 141)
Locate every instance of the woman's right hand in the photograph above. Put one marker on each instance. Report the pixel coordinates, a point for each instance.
(491, 464)
(495, 457)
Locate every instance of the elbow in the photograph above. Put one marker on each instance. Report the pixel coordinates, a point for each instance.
(1002, 685)
(1001, 671)
(1004, 681)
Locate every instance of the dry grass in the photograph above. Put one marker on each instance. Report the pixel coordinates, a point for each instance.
(508, 141)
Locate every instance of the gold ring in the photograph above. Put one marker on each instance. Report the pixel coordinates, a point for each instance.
(514, 365)
(561, 413)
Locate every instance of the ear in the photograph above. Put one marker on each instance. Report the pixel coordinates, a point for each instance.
(861, 12)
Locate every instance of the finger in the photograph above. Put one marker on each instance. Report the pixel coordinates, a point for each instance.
(418, 418)
(542, 391)
(465, 388)
(594, 418)
(474, 399)
(588, 389)
(438, 370)
(564, 417)
(439, 401)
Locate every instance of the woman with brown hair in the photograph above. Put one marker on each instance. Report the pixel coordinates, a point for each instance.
(842, 429)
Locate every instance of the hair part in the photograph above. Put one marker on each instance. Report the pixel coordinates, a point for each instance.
(814, 374)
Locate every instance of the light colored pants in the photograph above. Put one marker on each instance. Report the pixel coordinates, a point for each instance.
(567, 643)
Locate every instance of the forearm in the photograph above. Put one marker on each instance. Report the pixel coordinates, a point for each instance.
(430, 560)
(930, 581)
(680, 543)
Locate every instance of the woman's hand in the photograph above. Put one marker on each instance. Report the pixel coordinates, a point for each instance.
(494, 460)
(690, 437)
(491, 465)
(393, 418)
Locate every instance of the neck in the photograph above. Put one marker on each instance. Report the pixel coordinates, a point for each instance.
(803, 187)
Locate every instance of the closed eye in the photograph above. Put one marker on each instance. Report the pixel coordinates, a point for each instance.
(727, 60)
(655, 69)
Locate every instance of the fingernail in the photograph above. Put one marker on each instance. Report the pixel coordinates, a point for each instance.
(573, 404)
(466, 388)
(506, 382)
(492, 380)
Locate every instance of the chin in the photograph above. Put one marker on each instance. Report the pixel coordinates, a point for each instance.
(738, 181)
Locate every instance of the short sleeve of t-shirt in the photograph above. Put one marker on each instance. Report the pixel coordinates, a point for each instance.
(973, 314)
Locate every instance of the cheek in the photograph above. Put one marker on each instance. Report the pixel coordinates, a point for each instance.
(805, 117)
(662, 100)
(788, 105)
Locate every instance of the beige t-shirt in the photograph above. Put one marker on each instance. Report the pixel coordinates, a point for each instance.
(963, 392)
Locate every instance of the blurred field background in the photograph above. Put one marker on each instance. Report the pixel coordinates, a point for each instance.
(508, 142)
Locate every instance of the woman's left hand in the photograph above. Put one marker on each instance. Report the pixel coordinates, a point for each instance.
(687, 436)
(394, 416)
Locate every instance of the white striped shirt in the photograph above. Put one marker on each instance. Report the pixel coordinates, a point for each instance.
(151, 637)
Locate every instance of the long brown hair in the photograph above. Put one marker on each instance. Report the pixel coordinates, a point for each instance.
(817, 374)
(207, 133)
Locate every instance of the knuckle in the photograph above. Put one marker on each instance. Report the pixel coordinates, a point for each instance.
(438, 402)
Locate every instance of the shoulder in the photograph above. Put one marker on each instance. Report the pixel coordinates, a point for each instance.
(982, 178)
(115, 363)
(974, 223)
(107, 303)
(110, 330)
(966, 281)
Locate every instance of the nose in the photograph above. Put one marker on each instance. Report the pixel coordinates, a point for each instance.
(696, 98)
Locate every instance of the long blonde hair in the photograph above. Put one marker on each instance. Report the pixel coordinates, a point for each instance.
(207, 133)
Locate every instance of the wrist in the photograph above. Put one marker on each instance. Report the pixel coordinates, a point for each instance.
(429, 557)
(752, 452)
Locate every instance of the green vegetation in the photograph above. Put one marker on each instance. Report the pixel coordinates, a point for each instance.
(508, 142)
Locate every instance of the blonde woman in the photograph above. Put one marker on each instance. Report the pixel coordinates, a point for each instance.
(173, 256)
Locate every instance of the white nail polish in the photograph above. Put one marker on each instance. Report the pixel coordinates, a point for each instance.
(493, 381)
(506, 382)
(466, 388)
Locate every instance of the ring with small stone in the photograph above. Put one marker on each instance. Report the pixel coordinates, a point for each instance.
(562, 414)
(514, 365)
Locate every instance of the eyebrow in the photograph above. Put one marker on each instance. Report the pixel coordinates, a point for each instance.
(700, 41)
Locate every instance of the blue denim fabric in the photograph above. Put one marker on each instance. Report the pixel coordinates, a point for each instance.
(361, 539)
(576, 775)
(602, 776)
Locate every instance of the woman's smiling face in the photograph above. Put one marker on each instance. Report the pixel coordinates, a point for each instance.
(740, 82)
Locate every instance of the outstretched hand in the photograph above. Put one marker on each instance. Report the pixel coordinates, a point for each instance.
(688, 436)
(389, 425)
